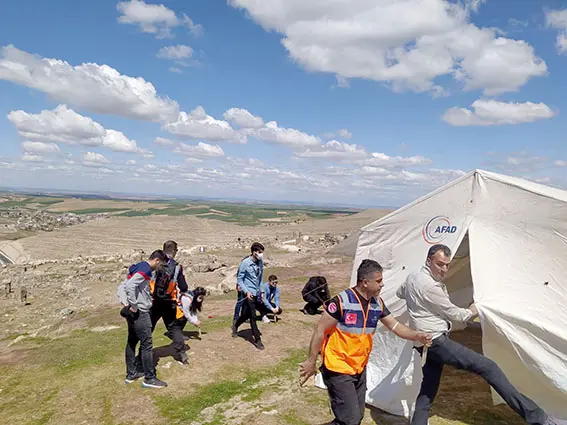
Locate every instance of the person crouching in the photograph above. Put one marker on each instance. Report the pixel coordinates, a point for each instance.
(189, 304)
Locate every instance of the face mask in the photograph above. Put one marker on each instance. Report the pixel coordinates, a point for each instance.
(260, 255)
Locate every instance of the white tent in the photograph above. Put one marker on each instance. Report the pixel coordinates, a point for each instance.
(509, 239)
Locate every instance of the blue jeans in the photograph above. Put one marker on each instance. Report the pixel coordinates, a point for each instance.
(238, 306)
(444, 351)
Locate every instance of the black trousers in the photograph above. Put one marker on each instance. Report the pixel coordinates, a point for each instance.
(347, 394)
(442, 352)
(163, 310)
(248, 312)
(176, 331)
(140, 330)
(263, 310)
(312, 306)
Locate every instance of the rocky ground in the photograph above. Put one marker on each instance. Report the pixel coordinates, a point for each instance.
(61, 347)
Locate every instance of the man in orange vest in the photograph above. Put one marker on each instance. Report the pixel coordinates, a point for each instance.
(343, 336)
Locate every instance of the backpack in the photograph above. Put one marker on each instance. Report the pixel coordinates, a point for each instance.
(164, 285)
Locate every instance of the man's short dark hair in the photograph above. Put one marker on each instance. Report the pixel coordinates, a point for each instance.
(439, 247)
(272, 277)
(159, 254)
(366, 269)
(169, 246)
(256, 246)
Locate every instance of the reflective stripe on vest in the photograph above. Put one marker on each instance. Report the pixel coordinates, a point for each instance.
(346, 349)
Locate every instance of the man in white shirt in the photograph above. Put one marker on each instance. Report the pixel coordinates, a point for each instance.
(431, 310)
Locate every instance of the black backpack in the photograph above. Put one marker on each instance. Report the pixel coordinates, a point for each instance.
(163, 287)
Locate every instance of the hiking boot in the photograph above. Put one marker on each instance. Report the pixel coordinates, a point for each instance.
(259, 345)
(153, 383)
(265, 319)
(129, 379)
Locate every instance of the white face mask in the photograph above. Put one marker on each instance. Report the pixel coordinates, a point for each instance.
(259, 255)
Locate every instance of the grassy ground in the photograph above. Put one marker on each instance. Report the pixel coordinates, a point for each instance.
(78, 378)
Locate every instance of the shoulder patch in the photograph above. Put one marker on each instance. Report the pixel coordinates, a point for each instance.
(332, 307)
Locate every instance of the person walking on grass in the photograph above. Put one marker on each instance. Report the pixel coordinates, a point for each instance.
(134, 294)
(343, 336)
(249, 278)
(431, 310)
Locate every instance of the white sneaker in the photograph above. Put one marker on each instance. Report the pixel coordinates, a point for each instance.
(265, 319)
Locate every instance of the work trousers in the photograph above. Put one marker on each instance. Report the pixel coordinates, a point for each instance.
(140, 330)
(347, 394)
(444, 351)
(249, 312)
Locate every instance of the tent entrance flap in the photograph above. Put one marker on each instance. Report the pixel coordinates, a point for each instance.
(459, 278)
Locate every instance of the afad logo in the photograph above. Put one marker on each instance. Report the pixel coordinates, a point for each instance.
(437, 229)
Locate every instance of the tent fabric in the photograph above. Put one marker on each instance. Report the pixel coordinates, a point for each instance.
(510, 240)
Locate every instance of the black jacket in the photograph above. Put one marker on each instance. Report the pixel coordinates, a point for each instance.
(316, 290)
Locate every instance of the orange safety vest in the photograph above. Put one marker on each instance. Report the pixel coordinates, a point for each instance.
(170, 291)
(346, 349)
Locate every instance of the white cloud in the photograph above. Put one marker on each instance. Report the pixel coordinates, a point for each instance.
(285, 136)
(560, 163)
(94, 159)
(131, 162)
(202, 150)
(198, 125)
(161, 141)
(59, 125)
(154, 18)
(335, 150)
(118, 142)
(408, 43)
(243, 119)
(558, 19)
(175, 70)
(40, 147)
(30, 157)
(381, 160)
(97, 88)
(63, 125)
(493, 112)
(175, 52)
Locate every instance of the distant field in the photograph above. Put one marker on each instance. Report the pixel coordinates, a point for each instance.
(244, 214)
(29, 202)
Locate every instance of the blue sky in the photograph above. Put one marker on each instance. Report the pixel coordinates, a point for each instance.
(375, 102)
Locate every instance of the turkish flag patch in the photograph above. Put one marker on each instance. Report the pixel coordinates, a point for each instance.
(350, 319)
